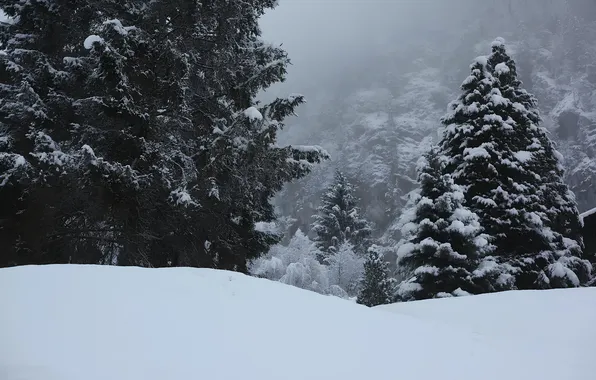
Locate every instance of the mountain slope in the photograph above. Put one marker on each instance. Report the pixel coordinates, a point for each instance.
(386, 109)
(90, 322)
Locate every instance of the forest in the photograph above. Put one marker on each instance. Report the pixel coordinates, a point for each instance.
(388, 153)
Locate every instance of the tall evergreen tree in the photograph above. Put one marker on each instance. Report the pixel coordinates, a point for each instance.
(442, 243)
(512, 176)
(338, 220)
(559, 212)
(132, 132)
(376, 286)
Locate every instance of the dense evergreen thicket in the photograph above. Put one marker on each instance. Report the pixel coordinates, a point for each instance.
(130, 134)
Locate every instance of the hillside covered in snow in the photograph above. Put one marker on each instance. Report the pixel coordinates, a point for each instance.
(96, 323)
(378, 112)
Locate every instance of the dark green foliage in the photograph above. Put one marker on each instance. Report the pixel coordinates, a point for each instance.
(338, 219)
(143, 144)
(513, 177)
(376, 287)
(442, 241)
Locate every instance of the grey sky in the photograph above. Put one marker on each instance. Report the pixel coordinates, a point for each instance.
(323, 36)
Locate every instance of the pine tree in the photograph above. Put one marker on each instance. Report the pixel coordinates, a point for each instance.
(132, 133)
(561, 222)
(511, 176)
(376, 287)
(338, 220)
(442, 243)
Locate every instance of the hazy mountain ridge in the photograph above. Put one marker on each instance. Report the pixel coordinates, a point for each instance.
(379, 120)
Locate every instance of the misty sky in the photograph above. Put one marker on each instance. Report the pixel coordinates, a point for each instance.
(324, 36)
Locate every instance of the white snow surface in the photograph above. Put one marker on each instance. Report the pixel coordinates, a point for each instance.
(90, 40)
(118, 27)
(558, 324)
(70, 322)
(253, 113)
(523, 155)
(587, 213)
(502, 68)
(499, 41)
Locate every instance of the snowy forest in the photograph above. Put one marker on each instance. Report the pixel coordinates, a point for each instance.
(378, 151)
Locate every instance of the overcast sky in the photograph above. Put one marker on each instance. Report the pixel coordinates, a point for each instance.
(324, 36)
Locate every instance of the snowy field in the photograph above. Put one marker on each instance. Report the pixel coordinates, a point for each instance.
(100, 323)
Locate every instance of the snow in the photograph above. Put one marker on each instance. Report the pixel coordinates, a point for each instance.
(181, 197)
(6, 19)
(19, 161)
(118, 27)
(523, 156)
(426, 269)
(497, 99)
(502, 68)
(405, 249)
(310, 149)
(472, 108)
(567, 103)
(535, 317)
(89, 41)
(253, 113)
(377, 120)
(482, 59)
(292, 97)
(75, 322)
(459, 292)
(498, 42)
(560, 270)
(267, 227)
(471, 153)
(585, 214)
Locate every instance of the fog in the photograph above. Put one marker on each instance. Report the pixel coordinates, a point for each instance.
(378, 75)
(326, 39)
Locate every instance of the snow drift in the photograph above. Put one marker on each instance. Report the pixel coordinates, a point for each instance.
(97, 323)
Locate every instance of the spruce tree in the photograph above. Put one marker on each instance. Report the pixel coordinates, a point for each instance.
(338, 220)
(376, 286)
(133, 133)
(40, 189)
(511, 175)
(442, 243)
(561, 222)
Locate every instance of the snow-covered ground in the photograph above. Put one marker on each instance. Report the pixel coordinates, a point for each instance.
(98, 323)
(587, 213)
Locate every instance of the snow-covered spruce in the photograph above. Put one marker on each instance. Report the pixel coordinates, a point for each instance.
(442, 242)
(338, 219)
(376, 286)
(178, 151)
(512, 177)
